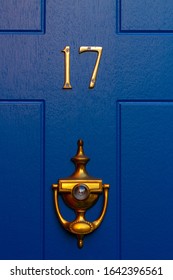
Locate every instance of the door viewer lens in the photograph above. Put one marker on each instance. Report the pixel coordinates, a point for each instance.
(80, 192)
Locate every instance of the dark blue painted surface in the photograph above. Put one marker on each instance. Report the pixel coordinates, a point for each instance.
(146, 158)
(146, 16)
(22, 16)
(22, 193)
(125, 140)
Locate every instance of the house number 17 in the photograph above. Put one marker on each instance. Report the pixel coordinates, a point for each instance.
(66, 51)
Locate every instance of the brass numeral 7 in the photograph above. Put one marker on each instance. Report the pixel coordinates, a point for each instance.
(66, 51)
(95, 71)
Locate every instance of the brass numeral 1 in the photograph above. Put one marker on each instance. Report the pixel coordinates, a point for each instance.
(66, 52)
(95, 71)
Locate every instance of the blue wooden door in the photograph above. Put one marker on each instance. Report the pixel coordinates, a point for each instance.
(126, 123)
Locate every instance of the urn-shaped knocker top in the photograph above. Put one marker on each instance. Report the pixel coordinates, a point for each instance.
(80, 191)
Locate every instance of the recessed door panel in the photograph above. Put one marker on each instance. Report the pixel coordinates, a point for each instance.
(21, 16)
(21, 180)
(146, 16)
(146, 159)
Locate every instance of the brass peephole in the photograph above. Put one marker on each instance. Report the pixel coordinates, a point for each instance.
(80, 191)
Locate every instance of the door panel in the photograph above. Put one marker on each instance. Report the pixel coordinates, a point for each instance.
(21, 180)
(146, 16)
(17, 16)
(146, 179)
(125, 122)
